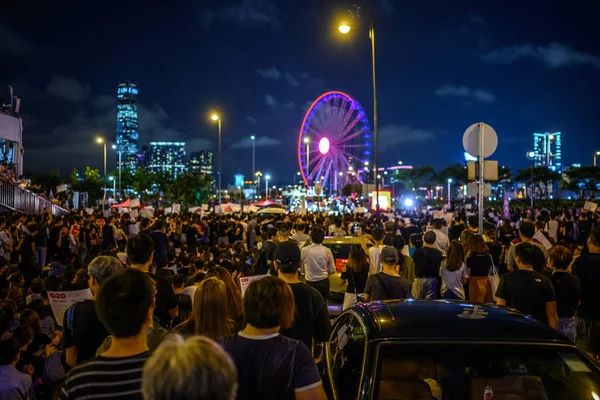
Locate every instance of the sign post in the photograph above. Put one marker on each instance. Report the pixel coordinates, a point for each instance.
(480, 140)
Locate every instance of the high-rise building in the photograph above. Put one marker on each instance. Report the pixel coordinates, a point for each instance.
(201, 162)
(548, 152)
(167, 157)
(127, 125)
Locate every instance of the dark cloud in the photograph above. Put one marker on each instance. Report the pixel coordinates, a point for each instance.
(481, 95)
(244, 13)
(67, 88)
(554, 55)
(13, 43)
(259, 141)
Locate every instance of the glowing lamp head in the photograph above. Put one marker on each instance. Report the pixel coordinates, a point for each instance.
(214, 117)
(531, 154)
(344, 28)
(268, 177)
(324, 145)
(252, 137)
(114, 146)
(99, 140)
(408, 202)
(306, 140)
(449, 180)
(111, 178)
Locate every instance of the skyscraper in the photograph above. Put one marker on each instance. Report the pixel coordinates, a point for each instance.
(167, 157)
(201, 162)
(127, 125)
(548, 152)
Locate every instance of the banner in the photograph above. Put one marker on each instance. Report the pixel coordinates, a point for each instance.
(61, 301)
(76, 200)
(247, 280)
(61, 188)
(589, 206)
(148, 212)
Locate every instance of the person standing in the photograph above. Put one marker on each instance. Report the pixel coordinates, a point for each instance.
(427, 268)
(161, 243)
(387, 284)
(479, 268)
(587, 268)
(271, 366)
(527, 230)
(311, 319)
(14, 384)
(356, 273)
(441, 239)
(125, 307)
(567, 287)
(527, 290)
(454, 273)
(377, 235)
(318, 263)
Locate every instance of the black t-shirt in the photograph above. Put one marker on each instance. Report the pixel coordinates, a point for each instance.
(427, 262)
(587, 269)
(382, 286)
(568, 291)
(222, 229)
(355, 278)
(271, 367)
(161, 244)
(312, 317)
(165, 299)
(480, 264)
(528, 291)
(455, 231)
(87, 334)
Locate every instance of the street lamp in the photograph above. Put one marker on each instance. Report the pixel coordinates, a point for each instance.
(217, 118)
(114, 181)
(596, 154)
(267, 177)
(100, 140)
(531, 157)
(253, 138)
(449, 195)
(345, 28)
(307, 145)
(114, 147)
(257, 176)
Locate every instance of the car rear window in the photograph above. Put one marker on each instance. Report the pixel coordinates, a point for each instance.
(466, 371)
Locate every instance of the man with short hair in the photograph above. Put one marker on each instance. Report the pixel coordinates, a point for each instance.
(267, 252)
(527, 230)
(528, 290)
(300, 237)
(318, 263)
(160, 241)
(587, 268)
(427, 268)
(125, 305)
(140, 250)
(442, 243)
(83, 331)
(311, 320)
(387, 284)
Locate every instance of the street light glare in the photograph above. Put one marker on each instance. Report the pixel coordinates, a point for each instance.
(449, 180)
(252, 137)
(114, 146)
(99, 140)
(306, 140)
(344, 28)
(214, 117)
(268, 177)
(531, 154)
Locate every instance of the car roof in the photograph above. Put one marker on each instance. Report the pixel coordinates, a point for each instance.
(450, 320)
(341, 240)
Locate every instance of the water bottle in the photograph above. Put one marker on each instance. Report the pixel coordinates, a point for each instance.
(488, 393)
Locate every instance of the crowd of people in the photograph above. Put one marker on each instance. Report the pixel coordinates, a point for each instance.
(167, 316)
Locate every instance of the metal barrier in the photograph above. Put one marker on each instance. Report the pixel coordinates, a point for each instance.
(18, 199)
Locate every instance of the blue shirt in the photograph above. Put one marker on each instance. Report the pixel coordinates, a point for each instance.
(15, 385)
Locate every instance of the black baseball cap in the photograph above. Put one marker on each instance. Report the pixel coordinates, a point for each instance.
(287, 253)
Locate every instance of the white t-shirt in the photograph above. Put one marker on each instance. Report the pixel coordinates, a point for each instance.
(374, 261)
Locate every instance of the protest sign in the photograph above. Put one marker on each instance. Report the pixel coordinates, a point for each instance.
(247, 280)
(590, 206)
(61, 301)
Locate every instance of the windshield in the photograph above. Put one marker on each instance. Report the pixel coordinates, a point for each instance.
(466, 371)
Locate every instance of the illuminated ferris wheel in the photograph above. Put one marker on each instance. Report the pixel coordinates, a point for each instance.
(334, 141)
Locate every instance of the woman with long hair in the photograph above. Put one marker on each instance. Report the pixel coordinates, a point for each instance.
(454, 272)
(210, 312)
(234, 295)
(479, 263)
(464, 240)
(355, 272)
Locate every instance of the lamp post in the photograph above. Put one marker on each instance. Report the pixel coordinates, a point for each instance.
(253, 138)
(217, 118)
(531, 157)
(307, 145)
(114, 181)
(344, 29)
(114, 147)
(449, 195)
(267, 177)
(103, 142)
(596, 154)
(257, 176)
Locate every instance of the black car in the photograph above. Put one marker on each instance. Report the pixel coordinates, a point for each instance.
(422, 350)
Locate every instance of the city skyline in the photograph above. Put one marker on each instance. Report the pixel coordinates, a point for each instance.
(467, 64)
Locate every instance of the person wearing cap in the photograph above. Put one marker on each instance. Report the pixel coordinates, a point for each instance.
(311, 319)
(387, 284)
(318, 263)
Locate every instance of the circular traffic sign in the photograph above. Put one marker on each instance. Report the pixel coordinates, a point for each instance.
(472, 136)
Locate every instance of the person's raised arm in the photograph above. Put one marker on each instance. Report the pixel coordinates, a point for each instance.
(363, 241)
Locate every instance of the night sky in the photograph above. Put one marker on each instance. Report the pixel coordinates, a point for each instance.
(520, 66)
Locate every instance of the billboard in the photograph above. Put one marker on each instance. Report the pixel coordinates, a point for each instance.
(385, 200)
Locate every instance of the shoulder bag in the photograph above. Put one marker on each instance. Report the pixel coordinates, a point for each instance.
(494, 278)
(359, 298)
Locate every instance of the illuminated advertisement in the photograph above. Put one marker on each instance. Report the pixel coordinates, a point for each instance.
(385, 200)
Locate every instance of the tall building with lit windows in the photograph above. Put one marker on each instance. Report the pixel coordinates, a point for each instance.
(548, 151)
(167, 157)
(201, 162)
(127, 125)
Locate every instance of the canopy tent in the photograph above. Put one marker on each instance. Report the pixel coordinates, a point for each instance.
(124, 204)
(265, 203)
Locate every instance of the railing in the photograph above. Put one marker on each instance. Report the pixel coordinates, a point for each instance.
(22, 200)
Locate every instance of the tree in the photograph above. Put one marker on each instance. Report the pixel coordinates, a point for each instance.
(542, 175)
(48, 182)
(583, 179)
(142, 181)
(457, 172)
(189, 189)
(415, 178)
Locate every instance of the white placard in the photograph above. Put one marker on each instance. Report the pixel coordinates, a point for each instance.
(176, 208)
(61, 301)
(134, 203)
(134, 213)
(194, 209)
(89, 211)
(134, 229)
(300, 210)
(168, 210)
(148, 212)
(360, 210)
(204, 207)
(247, 280)
(542, 239)
(590, 206)
(438, 215)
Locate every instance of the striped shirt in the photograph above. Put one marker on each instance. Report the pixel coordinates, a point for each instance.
(105, 378)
